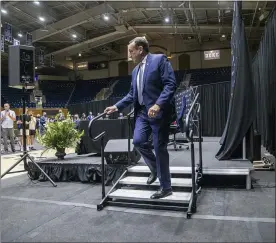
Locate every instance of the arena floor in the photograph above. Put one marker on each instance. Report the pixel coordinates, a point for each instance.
(38, 212)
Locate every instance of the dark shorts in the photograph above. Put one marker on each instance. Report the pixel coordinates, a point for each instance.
(32, 132)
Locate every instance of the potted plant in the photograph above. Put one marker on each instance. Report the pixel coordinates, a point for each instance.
(60, 135)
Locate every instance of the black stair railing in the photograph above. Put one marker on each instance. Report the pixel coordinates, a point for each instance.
(101, 137)
(129, 136)
(95, 139)
(189, 130)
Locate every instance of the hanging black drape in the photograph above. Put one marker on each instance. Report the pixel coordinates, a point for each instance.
(214, 100)
(264, 74)
(242, 109)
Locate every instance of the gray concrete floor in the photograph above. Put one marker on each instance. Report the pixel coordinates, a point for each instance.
(41, 213)
(38, 212)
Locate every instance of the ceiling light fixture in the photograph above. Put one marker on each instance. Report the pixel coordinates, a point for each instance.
(4, 11)
(223, 36)
(167, 20)
(42, 19)
(106, 17)
(36, 2)
(79, 54)
(19, 34)
(74, 35)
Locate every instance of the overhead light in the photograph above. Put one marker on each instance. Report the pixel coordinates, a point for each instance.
(4, 11)
(74, 36)
(167, 20)
(223, 36)
(79, 54)
(19, 34)
(35, 67)
(36, 2)
(260, 9)
(189, 37)
(106, 17)
(42, 19)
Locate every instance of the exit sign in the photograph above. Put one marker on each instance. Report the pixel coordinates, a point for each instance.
(212, 55)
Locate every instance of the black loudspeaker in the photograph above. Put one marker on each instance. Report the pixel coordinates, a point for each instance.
(22, 67)
(116, 152)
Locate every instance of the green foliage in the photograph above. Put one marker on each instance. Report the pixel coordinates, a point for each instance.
(60, 134)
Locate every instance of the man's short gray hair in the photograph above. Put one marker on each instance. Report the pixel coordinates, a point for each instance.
(141, 41)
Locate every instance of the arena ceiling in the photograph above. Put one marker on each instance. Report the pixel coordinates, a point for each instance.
(66, 28)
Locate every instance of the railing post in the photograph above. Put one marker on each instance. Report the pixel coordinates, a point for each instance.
(200, 140)
(103, 167)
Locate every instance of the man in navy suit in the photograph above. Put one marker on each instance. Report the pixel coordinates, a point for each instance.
(152, 93)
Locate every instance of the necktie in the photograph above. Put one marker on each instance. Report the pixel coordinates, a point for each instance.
(140, 84)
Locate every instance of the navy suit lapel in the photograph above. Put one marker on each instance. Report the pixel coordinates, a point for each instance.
(134, 82)
(147, 68)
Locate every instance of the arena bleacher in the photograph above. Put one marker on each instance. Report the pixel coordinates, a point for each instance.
(57, 93)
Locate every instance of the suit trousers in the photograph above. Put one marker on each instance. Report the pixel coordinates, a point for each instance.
(158, 162)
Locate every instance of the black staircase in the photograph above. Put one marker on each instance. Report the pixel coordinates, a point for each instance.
(131, 190)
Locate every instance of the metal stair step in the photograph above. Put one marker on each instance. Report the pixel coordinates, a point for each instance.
(188, 170)
(144, 195)
(145, 169)
(176, 182)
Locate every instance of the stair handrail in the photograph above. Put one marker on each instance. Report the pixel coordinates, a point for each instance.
(95, 139)
(189, 133)
(98, 137)
(129, 134)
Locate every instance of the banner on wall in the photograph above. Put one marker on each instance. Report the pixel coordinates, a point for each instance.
(212, 55)
(29, 39)
(41, 57)
(16, 42)
(52, 61)
(2, 43)
(8, 32)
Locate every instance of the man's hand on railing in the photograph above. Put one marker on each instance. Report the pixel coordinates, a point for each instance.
(110, 109)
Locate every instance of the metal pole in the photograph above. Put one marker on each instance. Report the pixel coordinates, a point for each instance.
(244, 148)
(103, 168)
(24, 129)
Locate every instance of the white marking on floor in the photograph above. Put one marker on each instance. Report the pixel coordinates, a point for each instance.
(146, 211)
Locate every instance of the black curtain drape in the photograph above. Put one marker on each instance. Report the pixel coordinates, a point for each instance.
(214, 100)
(242, 108)
(264, 75)
(96, 107)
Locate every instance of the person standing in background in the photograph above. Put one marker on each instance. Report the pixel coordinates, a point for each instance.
(43, 122)
(32, 128)
(7, 119)
(90, 116)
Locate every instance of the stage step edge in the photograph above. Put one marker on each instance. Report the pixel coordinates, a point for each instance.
(142, 195)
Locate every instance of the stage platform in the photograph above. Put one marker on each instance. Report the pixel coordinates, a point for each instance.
(87, 168)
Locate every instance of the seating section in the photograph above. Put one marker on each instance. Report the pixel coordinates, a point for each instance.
(14, 96)
(57, 93)
(210, 75)
(86, 90)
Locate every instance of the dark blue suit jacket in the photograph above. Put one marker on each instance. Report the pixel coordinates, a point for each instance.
(159, 85)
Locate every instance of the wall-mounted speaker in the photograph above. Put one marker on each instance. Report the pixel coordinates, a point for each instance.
(22, 67)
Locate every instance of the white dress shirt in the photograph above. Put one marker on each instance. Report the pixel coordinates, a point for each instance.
(7, 122)
(141, 72)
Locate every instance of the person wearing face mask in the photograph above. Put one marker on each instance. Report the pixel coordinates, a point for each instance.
(7, 119)
(121, 116)
(61, 116)
(90, 116)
